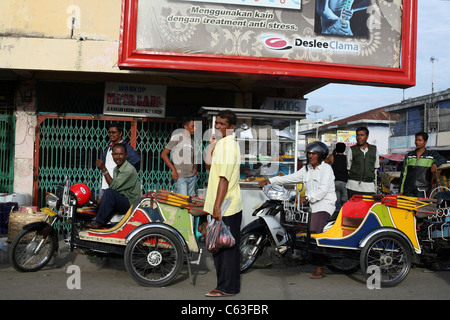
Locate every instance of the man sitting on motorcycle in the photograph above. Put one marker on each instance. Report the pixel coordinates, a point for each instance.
(123, 190)
(318, 178)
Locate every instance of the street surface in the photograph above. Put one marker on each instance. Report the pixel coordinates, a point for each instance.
(107, 279)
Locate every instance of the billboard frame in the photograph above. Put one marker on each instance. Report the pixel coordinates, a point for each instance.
(267, 67)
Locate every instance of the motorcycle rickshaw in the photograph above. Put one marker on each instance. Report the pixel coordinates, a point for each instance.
(374, 233)
(154, 237)
(390, 182)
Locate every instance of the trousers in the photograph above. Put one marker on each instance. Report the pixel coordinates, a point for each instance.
(186, 185)
(227, 261)
(112, 203)
(341, 193)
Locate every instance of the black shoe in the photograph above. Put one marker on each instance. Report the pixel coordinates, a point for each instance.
(94, 225)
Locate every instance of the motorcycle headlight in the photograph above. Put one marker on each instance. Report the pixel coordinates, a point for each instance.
(52, 200)
(276, 192)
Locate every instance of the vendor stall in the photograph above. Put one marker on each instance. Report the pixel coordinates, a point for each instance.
(268, 140)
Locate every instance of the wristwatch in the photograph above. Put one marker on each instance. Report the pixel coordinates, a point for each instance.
(105, 172)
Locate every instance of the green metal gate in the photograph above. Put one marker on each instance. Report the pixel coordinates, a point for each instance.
(70, 144)
(7, 142)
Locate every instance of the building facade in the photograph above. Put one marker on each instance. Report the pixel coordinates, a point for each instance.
(376, 120)
(59, 58)
(429, 113)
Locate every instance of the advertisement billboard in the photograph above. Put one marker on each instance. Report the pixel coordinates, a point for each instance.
(351, 40)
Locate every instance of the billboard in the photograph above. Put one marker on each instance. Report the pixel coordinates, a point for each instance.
(282, 4)
(359, 40)
(347, 137)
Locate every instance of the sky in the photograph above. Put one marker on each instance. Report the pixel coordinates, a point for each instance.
(433, 40)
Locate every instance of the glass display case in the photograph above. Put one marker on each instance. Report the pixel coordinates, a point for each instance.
(268, 148)
(268, 140)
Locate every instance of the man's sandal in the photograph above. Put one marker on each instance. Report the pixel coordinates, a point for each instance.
(218, 293)
(317, 275)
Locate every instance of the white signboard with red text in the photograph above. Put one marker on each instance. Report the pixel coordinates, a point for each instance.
(135, 100)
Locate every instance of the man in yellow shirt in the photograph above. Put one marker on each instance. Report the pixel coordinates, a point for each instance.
(223, 183)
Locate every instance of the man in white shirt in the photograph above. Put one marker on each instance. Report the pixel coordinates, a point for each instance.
(318, 178)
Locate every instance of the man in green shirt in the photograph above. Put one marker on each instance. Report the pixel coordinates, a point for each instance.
(419, 166)
(123, 190)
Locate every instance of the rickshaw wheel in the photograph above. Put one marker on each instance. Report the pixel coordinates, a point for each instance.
(154, 257)
(390, 254)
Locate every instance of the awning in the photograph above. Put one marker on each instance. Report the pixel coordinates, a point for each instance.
(394, 156)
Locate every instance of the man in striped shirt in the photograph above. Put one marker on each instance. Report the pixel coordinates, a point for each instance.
(419, 167)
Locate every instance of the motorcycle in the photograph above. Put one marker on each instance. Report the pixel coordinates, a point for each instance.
(154, 237)
(370, 232)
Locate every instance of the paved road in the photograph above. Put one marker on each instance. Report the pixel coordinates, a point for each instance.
(107, 279)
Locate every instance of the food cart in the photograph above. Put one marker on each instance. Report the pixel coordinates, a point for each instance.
(268, 140)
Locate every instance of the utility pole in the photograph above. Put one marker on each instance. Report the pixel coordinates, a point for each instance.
(432, 60)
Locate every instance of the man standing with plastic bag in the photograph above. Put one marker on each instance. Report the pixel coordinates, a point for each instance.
(223, 161)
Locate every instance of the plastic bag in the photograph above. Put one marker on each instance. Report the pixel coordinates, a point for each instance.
(218, 236)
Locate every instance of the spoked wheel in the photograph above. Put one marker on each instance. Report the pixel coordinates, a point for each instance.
(250, 248)
(31, 251)
(344, 265)
(154, 257)
(391, 256)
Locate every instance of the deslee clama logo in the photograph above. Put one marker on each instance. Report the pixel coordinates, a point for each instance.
(274, 42)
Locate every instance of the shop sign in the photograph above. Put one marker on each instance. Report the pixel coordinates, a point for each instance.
(347, 137)
(372, 41)
(282, 104)
(329, 137)
(135, 100)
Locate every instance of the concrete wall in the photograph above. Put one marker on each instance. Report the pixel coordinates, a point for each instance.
(53, 35)
(379, 136)
(55, 19)
(60, 35)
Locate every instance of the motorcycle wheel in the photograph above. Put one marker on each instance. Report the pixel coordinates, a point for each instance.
(154, 257)
(250, 247)
(392, 256)
(22, 255)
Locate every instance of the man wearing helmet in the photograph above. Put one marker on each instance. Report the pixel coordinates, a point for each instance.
(123, 190)
(318, 177)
